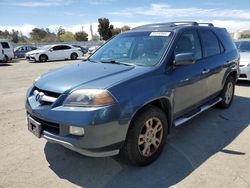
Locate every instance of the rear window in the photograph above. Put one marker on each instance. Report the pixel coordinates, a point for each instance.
(5, 45)
(210, 43)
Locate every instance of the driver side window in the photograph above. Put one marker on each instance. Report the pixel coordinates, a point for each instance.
(189, 42)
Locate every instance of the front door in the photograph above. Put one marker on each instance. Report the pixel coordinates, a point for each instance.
(189, 81)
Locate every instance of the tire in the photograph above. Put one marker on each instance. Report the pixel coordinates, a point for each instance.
(43, 58)
(227, 93)
(5, 59)
(146, 137)
(73, 56)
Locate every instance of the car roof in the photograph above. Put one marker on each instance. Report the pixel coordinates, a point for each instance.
(173, 26)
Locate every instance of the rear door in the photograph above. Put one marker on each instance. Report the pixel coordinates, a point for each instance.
(213, 60)
(189, 82)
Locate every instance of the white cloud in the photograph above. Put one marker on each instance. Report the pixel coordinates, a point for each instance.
(166, 11)
(25, 29)
(36, 4)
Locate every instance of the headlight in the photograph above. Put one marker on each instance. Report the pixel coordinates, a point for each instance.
(89, 97)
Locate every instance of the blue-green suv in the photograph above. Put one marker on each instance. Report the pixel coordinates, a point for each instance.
(126, 97)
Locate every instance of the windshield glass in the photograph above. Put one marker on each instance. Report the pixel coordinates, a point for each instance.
(135, 48)
(243, 46)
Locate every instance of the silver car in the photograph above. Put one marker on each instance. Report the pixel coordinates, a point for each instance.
(244, 49)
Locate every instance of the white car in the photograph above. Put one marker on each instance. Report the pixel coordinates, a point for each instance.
(92, 49)
(6, 50)
(244, 49)
(54, 52)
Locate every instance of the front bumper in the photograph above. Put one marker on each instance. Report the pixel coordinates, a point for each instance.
(104, 133)
(244, 73)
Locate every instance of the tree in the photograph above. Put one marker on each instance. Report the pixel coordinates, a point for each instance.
(14, 36)
(67, 36)
(37, 35)
(60, 31)
(81, 36)
(116, 31)
(244, 36)
(104, 28)
(125, 28)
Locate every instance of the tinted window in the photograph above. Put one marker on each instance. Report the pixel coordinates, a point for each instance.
(210, 43)
(65, 47)
(5, 45)
(189, 42)
(55, 48)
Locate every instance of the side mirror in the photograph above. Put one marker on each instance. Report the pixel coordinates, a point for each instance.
(184, 59)
(51, 49)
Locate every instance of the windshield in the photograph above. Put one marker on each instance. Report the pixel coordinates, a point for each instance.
(243, 46)
(135, 48)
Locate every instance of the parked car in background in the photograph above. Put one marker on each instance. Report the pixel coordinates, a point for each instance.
(54, 52)
(244, 49)
(20, 51)
(83, 49)
(8, 51)
(127, 101)
(92, 49)
(2, 56)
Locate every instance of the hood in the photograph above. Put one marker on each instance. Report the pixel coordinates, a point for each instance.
(35, 51)
(244, 58)
(85, 75)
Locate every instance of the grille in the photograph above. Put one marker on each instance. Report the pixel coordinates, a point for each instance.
(47, 97)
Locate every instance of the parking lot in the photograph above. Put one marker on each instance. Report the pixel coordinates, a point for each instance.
(212, 150)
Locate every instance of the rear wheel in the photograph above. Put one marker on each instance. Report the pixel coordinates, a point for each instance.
(73, 56)
(43, 58)
(227, 93)
(146, 136)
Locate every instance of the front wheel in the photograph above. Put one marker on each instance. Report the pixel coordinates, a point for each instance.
(43, 58)
(146, 137)
(73, 56)
(227, 93)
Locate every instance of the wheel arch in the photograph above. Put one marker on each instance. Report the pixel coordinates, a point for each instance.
(163, 103)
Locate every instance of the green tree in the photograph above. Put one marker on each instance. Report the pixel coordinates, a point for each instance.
(14, 36)
(104, 28)
(67, 36)
(116, 31)
(37, 35)
(60, 31)
(81, 36)
(125, 28)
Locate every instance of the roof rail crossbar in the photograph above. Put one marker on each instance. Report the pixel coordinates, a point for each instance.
(184, 23)
(208, 24)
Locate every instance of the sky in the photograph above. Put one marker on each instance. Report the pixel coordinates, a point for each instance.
(75, 15)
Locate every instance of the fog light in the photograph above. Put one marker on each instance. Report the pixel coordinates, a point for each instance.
(79, 131)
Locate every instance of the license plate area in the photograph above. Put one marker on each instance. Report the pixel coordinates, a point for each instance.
(34, 127)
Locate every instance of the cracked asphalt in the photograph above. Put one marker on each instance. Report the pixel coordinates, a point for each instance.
(211, 150)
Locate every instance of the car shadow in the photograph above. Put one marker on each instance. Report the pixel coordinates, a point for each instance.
(188, 147)
(4, 64)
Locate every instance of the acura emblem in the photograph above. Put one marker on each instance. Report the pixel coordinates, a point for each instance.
(39, 96)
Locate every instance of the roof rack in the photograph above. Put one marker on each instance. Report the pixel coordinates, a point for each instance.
(172, 24)
(208, 24)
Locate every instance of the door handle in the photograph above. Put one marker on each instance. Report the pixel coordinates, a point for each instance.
(205, 71)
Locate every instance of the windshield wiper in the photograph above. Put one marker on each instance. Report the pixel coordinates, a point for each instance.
(117, 62)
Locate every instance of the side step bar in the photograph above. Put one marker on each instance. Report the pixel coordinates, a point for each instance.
(184, 119)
